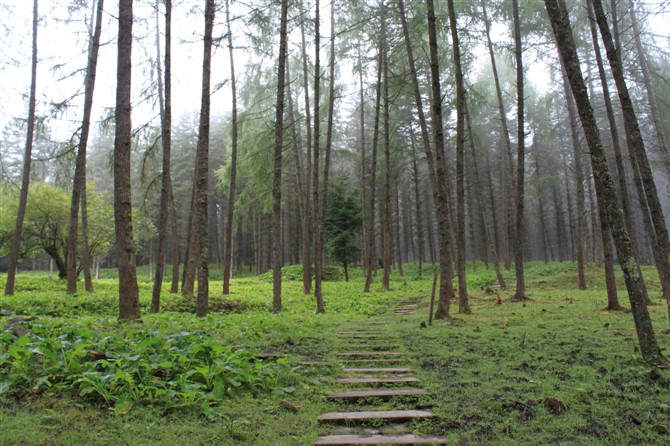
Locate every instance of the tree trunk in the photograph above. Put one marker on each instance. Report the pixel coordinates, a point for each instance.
(398, 244)
(318, 293)
(80, 163)
(636, 146)
(446, 276)
(579, 185)
(228, 236)
(417, 210)
(25, 176)
(174, 289)
(129, 304)
(202, 168)
(507, 171)
(463, 304)
(386, 202)
(85, 254)
(618, 157)
(276, 180)
(165, 104)
(604, 183)
(308, 224)
(372, 255)
(520, 293)
(480, 196)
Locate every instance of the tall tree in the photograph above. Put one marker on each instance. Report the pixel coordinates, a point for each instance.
(165, 104)
(463, 303)
(636, 146)
(129, 303)
(228, 248)
(507, 171)
(605, 189)
(80, 165)
(371, 249)
(386, 199)
(446, 276)
(316, 203)
(278, 145)
(521, 143)
(202, 167)
(25, 177)
(307, 223)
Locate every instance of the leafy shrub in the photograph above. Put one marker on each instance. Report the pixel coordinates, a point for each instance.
(187, 369)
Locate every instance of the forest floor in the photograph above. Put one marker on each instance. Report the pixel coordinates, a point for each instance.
(556, 369)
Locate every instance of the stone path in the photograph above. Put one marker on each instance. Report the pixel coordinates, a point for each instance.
(373, 362)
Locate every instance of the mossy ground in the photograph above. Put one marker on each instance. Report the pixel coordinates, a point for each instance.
(556, 369)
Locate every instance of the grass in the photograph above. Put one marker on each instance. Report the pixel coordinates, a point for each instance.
(556, 369)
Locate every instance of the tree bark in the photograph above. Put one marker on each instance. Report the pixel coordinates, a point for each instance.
(463, 303)
(636, 146)
(318, 292)
(386, 202)
(228, 236)
(604, 182)
(202, 167)
(129, 304)
(165, 103)
(25, 176)
(276, 179)
(520, 293)
(579, 185)
(308, 225)
(80, 163)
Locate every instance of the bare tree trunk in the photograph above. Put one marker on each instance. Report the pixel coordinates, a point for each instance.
(308, 226)
(604, 183)
(202, 167)
(174, 289)
(579, 185)
(372, 255)
(276, 180)
(80, 163)
(618, 157)
(85, 254)
(521, 137)
(463, 303)
(398, 244)
(480, 196)
(507, 171)
(25, 176)
(165, 103)
(446, 272)
(228, 236)
(129, 303)
(386, 202)
(417, 209)
(318, 293)
(636, 146)
(363, 179)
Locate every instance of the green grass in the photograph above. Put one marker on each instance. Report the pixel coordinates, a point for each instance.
(556, 369)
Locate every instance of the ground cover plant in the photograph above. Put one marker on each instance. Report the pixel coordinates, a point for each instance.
(555, 369)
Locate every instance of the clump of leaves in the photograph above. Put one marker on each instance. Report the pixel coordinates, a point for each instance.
(169, 371)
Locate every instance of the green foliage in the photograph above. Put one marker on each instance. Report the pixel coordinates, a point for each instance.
(343, 221)
(186, 369)
(47, 221)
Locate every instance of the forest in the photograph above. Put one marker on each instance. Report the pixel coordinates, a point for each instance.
(226, 221)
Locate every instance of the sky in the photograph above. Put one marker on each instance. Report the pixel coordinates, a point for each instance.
(62, 45)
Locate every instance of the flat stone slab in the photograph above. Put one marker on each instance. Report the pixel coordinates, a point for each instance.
(365, 336)
(379, 370)
(375, 347)
(377, 415)
(363, 332)
(373, 361)
(372, 380)
(315, 363)
(382, 393)
(370, 354)
(340, 440)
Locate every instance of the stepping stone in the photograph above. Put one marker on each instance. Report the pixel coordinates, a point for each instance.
(379, 370)
(377, 415)
(373, 361)
(373, 347)
(382, 393)
(339, 440)
(370, 380)
(365, 336)
(316, 363)
(370, 354)
(362, 332)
